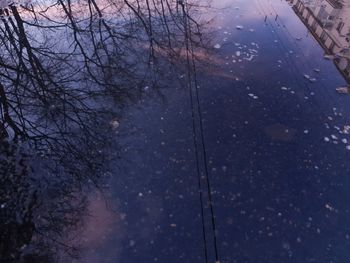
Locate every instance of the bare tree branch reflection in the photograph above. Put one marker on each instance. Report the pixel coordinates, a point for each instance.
(67, 69)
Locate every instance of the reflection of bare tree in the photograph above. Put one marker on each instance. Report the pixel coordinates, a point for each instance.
(66, 68)
(14, 233)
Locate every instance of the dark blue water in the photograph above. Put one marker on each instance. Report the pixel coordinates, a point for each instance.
(281, 193)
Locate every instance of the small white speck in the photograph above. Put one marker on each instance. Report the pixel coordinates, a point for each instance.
(329, 207)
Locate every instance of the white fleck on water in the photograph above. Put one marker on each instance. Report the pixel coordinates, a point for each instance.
(334, 137)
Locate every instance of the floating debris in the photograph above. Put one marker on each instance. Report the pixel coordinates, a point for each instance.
(343, 90)
(114, 124)
(329, 207)
(312, 80)
(346, 129)
(253, 96)
(326, 139)
(250, 58)
(334, 137)
(329, 57)
(217, 46)
(239, 27)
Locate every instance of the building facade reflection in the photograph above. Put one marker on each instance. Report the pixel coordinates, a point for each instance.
(329, 22)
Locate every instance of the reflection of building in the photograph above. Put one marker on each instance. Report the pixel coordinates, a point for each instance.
(329, 22)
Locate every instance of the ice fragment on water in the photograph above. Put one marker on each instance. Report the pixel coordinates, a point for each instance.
(114, 124)
(334, 137)
(253, 96)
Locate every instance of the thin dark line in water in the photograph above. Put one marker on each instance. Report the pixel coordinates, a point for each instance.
(194, 135)
(192, 68)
